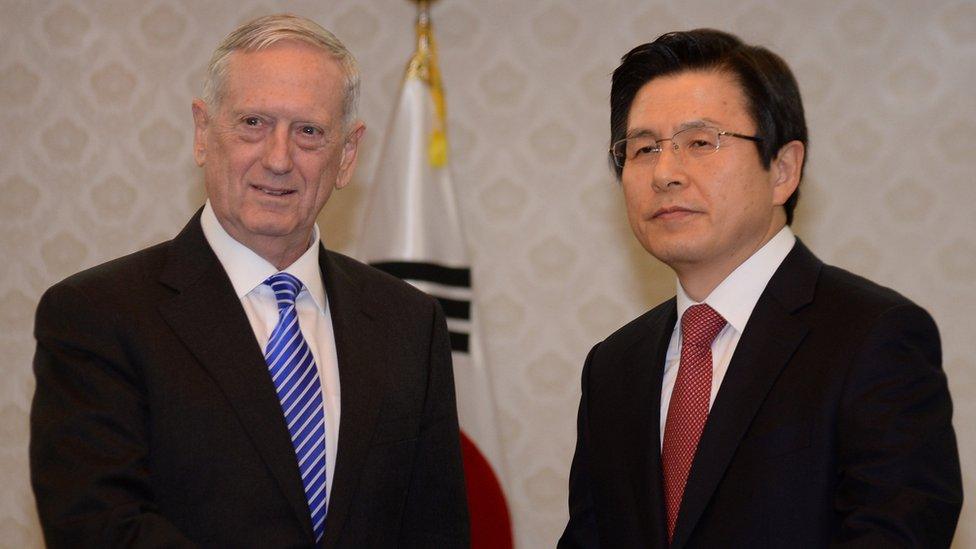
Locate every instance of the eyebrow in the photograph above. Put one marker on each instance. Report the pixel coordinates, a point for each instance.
(644, 132)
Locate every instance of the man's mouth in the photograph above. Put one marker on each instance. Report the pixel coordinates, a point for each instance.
(273, 192)
(671, 211)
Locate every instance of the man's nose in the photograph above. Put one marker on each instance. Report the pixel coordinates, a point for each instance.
(277, 152)
(668, 171)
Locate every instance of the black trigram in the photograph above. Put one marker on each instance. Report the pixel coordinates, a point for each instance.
(451, 286)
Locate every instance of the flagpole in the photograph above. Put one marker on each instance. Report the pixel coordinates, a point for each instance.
(423, 12)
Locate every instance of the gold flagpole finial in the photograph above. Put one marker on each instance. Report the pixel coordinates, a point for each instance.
(423, 65)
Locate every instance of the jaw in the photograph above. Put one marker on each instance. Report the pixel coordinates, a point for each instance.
(702, 260)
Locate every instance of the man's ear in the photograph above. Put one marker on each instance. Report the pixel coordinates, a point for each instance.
(201, 122)
(350, 152)
(784, 171)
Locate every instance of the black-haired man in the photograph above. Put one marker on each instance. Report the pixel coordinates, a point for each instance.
(793, 404)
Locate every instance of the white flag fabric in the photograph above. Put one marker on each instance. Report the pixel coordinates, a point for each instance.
(412, 213)
(413, 230)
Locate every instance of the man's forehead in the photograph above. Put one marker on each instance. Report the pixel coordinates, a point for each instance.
(296, 48)
(672, 102)
(291, 68)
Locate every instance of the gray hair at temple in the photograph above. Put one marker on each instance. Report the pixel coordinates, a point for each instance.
(263, 32)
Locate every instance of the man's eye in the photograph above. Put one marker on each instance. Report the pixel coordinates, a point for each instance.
(252, 121)
(701, 144)
(646, 149)
(310, 131)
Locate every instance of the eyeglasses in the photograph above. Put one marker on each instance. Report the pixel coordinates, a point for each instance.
(695, 142)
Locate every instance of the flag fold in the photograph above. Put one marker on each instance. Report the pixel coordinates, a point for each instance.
(413, 230)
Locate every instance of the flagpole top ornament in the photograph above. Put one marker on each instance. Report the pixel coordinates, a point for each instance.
(423, 65)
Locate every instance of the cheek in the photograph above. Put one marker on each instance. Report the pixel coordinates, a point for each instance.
(319, 177)
(218, 178)
(636, 193)
(322, 176)
(745, 200)
(757, 193)
(238, 161)
(633, 204)
(321, 194)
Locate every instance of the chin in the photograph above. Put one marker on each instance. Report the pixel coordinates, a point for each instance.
(269, 225)
(673, 251)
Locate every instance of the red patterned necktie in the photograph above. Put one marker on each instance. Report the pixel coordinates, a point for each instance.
(688, 409)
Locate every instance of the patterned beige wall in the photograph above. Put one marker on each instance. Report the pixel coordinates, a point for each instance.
(95, 161)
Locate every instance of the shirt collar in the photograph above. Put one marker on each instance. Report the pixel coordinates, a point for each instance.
(247, 270)
(736, 296)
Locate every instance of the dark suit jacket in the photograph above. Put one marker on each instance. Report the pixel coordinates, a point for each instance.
(155, 421)
(832, 426)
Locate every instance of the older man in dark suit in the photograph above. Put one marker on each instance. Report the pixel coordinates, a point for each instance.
(775, 401)
(241, 386)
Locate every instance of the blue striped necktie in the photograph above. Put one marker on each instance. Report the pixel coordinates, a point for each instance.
(296, 379)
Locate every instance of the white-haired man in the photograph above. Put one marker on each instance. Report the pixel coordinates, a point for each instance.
(189, 394)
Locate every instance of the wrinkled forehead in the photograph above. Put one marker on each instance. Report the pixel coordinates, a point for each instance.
(285, 67)
(286, 51)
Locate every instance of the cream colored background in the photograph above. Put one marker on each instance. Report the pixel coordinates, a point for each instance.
(95, 143)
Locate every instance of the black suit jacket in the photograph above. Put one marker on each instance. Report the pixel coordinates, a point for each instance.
(832, 426)
(155, 421)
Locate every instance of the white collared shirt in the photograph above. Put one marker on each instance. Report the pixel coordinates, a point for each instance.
(247, 272)
(734, 298)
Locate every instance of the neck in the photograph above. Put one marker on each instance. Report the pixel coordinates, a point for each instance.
(699, 285)
(280, 251)
(699, 280)
(281, 258)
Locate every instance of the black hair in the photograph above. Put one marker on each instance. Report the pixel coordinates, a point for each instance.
(771, 91)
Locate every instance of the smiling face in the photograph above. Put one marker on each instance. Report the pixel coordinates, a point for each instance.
(704, 216)
(275, 147)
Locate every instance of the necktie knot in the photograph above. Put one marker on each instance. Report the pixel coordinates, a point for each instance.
(700, 324)
(286, 288)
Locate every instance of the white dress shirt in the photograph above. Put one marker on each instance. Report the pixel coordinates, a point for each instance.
(734, 299)
(247, 272)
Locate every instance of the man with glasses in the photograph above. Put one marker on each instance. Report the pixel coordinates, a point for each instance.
(776, 401)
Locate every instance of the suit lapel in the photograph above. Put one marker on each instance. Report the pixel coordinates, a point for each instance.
(208, 317)
(362, 382)
(623, 424)
(651, 351)
(767, 343)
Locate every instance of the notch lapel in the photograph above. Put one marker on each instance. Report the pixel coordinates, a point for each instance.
(362, 381)
(767, 343)
(649, 494)
(622, 429)
(208, 317)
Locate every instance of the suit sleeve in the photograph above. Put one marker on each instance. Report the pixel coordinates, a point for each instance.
(581, 530)
(89, 435)
(899, 478)
(436, 509)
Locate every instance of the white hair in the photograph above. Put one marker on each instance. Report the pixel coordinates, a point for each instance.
(262, 33)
